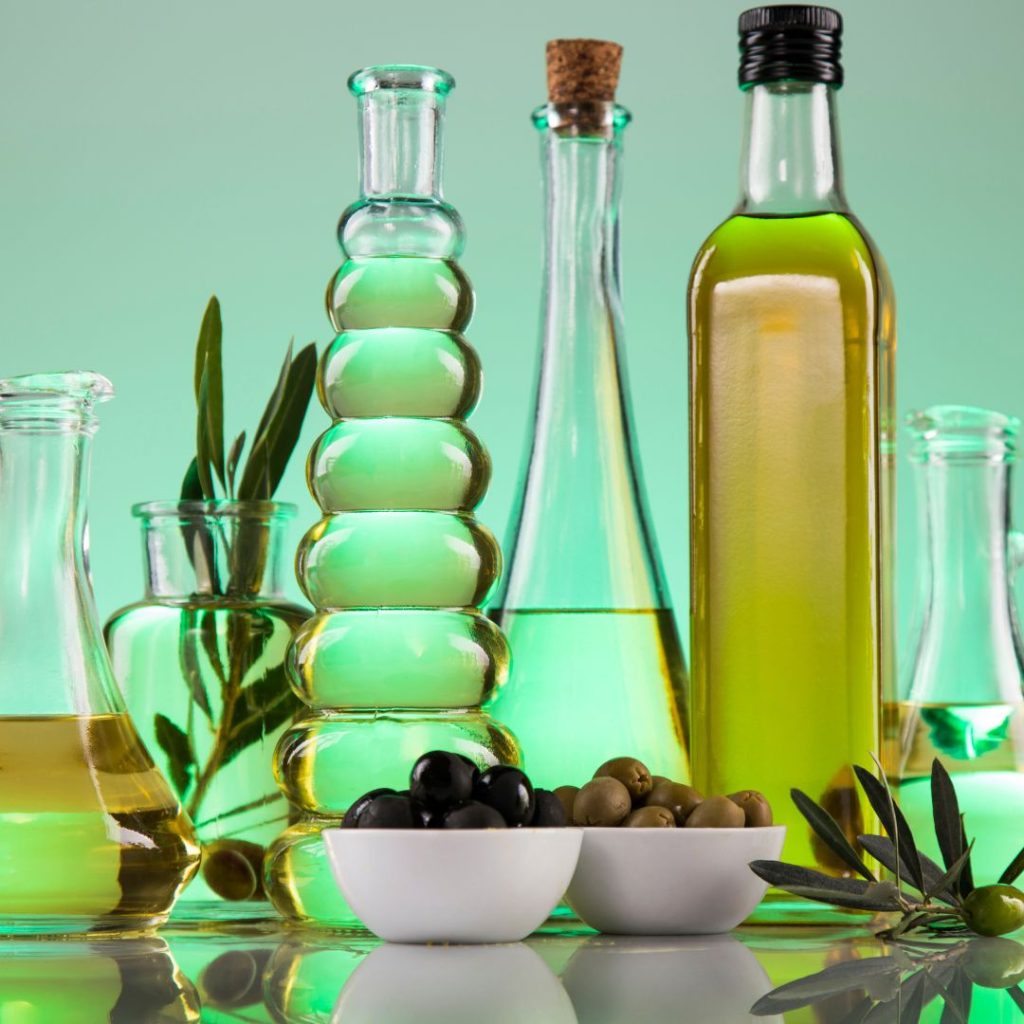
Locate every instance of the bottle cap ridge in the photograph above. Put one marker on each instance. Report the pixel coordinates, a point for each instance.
(790, 41)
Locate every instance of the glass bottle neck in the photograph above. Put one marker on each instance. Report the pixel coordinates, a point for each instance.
(213, 551)
(969, 649)
(581, 539)
(400, 132)
(790, 162)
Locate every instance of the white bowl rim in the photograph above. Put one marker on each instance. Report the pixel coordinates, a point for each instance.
(516, 830)
(743, 830)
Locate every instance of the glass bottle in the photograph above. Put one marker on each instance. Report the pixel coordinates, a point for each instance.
(964, 698)
(91, 836)
(200, 660)
(398, 657)
(597, 669)
(792, 345)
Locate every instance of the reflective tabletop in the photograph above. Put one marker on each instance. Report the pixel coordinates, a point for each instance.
(564, 973)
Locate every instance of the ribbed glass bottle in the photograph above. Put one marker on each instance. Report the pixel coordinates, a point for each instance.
(398, 658)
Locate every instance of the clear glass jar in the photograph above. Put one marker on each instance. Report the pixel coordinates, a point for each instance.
(201, 661)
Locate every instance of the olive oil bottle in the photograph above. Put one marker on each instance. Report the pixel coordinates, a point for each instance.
(791, 387)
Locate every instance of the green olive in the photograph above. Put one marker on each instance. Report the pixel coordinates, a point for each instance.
(233, 869)
(994, 909)
(715, 812)
(567, 794)
(633, 774)
(604, 801)
(757, 812)
(995, 963)
(679, 799)
(650, 817)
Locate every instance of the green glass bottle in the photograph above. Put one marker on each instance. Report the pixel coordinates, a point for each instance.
(791, 389)
(597, 669)
(398, 657)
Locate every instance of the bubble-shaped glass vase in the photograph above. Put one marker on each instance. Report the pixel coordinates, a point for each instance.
(399, 657)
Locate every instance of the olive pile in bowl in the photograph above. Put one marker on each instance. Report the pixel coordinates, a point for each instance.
(449, 791)
(624, 793)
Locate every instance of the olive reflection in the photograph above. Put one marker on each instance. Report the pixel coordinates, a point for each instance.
(973, 980)
(124, 981)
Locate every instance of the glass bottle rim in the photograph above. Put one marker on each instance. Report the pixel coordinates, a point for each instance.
(60, 402)
(605, 114)
(189, 510)
(421, 77)
(962, 430)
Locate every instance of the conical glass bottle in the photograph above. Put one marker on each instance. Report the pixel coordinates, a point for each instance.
(597, 670)
(792, 346)
(964, 698)
(398, 657)
(91, 836)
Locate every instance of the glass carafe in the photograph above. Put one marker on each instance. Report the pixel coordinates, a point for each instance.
(964, 698)
(91, 836)
(597, 669)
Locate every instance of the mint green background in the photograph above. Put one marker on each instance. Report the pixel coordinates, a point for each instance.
(153, 154)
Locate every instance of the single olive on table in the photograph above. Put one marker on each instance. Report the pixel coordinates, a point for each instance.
(623, 792)
(448, 791)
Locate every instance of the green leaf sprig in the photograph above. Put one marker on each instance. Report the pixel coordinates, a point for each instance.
(212, 474)
(925, 895)
(222, 644)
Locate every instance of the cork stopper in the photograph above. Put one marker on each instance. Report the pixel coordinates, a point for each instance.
(583, 70)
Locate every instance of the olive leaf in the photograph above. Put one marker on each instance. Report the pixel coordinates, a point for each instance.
(234, 454)
(814, 885)
(265, 705)
(1013, 869)
(279, 427)
(884, 851)
(189, 657)
(946, 814)
(880, 797)
(828, 830)
(211, 406)
(174, 743)
(191, 486)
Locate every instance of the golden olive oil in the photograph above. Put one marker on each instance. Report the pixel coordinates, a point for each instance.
(91, 837)
(791, 410)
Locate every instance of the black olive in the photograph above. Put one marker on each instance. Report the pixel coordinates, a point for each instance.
(390, 810)
(508, 791)
(440, 779)
(428, 817)
(473, 814)
(351, 819)
(548, 810)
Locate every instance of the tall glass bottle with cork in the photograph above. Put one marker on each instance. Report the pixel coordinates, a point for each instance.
(597, 669)
(791, 323)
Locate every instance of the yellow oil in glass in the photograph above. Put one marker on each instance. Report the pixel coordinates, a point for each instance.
(791, 410)
(91, 837)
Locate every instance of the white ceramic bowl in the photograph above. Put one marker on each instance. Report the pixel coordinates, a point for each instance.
(670, 881)
(471, 885)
